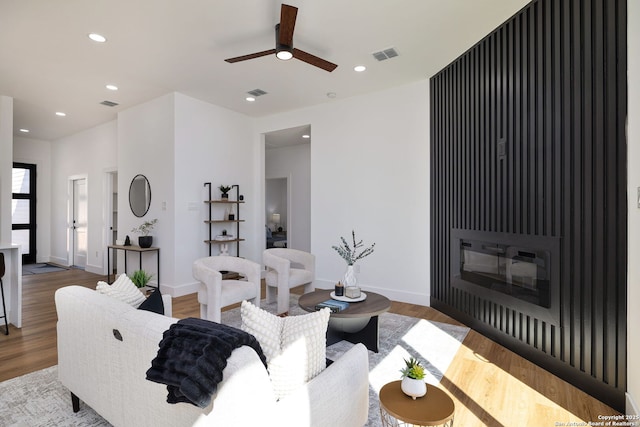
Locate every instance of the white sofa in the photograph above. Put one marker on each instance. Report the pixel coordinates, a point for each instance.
(109, 375)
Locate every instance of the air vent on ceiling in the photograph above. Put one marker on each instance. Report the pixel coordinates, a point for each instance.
(385, 54)
(109, 103)
(257, 92)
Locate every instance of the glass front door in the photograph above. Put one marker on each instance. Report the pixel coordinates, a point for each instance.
(23, 210)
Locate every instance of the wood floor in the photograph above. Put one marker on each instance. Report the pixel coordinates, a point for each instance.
(490, 385)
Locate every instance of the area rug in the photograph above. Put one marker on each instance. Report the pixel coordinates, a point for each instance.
(434, 344)
(40, 268)
(38, 399)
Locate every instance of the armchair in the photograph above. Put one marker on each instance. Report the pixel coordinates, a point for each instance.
(281, 276)
(216, 293)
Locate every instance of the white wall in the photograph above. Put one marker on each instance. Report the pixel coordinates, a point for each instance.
(6, 165)
(38, 152)
(633, 173)
(294, 163)
(212, 144)
(145, 142)
(12, 279)
(370, 173)
(86, 154)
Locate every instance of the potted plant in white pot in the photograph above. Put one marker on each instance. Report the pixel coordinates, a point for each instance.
(413, 379)
(145, 240)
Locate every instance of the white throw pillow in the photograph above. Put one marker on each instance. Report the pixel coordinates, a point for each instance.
(295, 346)
(122, 289)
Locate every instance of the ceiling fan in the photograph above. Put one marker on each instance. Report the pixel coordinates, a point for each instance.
(284, 43)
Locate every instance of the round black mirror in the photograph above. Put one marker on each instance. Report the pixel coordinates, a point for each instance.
(139, 195)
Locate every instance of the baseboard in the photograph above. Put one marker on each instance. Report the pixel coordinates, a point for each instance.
(392, 294)
(59, 261)
(631, 407)
(95, 269)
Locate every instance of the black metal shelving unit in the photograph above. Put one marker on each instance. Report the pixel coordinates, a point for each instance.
(212, 222)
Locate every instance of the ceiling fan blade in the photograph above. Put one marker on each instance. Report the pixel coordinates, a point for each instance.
(314, 60)
(251, 56)
(288, 16)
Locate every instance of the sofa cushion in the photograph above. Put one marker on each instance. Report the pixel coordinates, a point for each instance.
(153, 303)
(122, 289)
(295, 346)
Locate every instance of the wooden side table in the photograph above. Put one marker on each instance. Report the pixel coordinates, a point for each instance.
(397, 409)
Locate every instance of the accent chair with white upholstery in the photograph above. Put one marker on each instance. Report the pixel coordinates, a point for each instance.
(216, 293)
(281, 276)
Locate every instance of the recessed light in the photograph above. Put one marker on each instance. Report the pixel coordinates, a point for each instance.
(60, 113)
(250, 98)
(112, 87)
(306, 136)
(97, 38)
(359, 68)
(24, 130)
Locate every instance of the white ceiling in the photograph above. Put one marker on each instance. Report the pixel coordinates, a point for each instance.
(154, 47)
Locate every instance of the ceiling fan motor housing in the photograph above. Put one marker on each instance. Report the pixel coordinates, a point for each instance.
(283, 51)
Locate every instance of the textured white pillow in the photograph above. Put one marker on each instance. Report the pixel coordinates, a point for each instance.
(295, 346)
(122, 289)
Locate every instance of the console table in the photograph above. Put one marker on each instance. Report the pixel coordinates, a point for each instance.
(137, 249)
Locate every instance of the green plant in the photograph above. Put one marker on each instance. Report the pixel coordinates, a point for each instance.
(350, 254)
(145, 228)
(413, 369)
(224, 189)
(140, 278)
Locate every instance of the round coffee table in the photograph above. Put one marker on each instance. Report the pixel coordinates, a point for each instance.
(435, 408)
(357, 323)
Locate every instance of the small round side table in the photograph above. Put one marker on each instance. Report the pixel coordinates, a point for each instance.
(397, 409)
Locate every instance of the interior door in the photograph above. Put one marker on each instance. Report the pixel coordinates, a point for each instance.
(80, 223)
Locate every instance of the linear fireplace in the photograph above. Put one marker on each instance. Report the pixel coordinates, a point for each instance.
(517, 271)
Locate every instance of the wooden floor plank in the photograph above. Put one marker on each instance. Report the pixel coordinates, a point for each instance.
(489, 384)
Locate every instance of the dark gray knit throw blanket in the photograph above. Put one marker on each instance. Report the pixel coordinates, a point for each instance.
(192, 355)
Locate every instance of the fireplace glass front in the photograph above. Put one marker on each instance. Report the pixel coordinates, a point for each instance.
(522, 273)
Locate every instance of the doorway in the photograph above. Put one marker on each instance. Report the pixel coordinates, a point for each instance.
(111, 215)
(79, 242)
(288, 163)
(23, 210)
(277, 207)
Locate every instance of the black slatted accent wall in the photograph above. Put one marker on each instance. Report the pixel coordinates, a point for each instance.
(551, 84)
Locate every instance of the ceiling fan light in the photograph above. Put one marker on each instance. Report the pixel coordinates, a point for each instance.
(284, 54)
